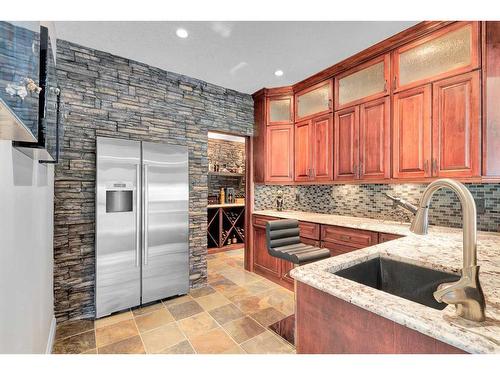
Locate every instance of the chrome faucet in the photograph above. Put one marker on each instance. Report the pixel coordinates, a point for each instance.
(466, 294)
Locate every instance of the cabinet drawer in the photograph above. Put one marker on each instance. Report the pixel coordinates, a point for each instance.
(337, 249)
(350, 237)
(309, 241)
(384, 237)
(260, 221)
(309, 230)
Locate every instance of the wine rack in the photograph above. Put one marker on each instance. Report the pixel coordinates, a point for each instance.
(225, 228)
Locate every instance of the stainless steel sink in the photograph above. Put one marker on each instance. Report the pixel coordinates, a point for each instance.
(401, 279)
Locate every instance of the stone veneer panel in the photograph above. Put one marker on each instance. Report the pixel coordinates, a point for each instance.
(107, 95)
(368, 200)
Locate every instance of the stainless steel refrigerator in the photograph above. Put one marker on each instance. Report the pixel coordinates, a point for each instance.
(142, 223)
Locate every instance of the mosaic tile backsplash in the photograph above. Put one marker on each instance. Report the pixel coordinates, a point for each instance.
(368, 200)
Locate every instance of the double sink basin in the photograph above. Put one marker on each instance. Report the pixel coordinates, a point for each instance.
(401, 279)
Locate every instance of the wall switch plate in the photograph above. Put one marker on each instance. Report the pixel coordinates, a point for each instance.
(480, 206)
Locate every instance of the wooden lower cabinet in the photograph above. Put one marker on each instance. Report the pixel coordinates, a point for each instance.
(384, 237)
(329, 325)
(336, 248)
(264, 264)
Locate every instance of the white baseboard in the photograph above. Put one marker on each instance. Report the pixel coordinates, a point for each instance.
(52, 335)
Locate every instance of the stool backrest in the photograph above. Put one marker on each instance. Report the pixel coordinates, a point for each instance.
(282, 233)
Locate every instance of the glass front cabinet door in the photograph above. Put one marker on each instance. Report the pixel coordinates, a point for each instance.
(363, 83)
(280, 110)
(313, 101)
(450, 51)
(19, 80)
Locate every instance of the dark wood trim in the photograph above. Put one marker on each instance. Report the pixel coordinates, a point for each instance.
(249, 188)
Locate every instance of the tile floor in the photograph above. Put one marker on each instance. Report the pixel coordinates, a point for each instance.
(230, 315)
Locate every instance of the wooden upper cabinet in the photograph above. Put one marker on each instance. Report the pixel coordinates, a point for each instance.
(279, 110)
(322, 152)
(456, 126)
(303, 152)
(450, 51)
(375, 139)
(412, 133)
(314, 100)
(279, 153)
(346, 149)
(363, 83)
(314, 149)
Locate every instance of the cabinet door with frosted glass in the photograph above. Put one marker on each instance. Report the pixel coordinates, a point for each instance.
(449, 51)
(363, 83)
(279, 110)
(313, 101)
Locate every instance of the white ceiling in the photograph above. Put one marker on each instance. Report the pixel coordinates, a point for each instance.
(238, 55)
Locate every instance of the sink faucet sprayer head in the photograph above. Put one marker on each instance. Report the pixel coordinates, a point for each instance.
(420, 223)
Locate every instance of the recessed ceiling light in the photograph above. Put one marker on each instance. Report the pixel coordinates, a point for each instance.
(181, 33)
(278, 73)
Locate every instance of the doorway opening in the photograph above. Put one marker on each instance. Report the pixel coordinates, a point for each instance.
(226, 210)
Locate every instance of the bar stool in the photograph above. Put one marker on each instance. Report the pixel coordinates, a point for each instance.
(283, 241)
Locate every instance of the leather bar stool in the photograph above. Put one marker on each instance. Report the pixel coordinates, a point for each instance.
(283, 241)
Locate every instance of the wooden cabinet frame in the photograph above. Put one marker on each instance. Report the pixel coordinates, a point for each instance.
(386, 58)
(475, 56)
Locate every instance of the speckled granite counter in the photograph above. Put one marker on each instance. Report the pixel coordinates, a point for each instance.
(440, 249)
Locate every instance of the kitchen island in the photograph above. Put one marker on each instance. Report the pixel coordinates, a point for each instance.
(441, 249)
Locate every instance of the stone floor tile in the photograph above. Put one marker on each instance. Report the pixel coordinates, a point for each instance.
(114, 318)
(147, 322)
(185, 310)
(75, 344)
(147, 308)
(177, 300)
(197, 324)
(115, 332)
(243, 329)
(212, 301)
(252, 304)
(161, 338)
(73, 327)
(132, 345)
(226, 313)
(201, 292)
(184, 347)
(212, 342)
(268, 316)
(267, 343)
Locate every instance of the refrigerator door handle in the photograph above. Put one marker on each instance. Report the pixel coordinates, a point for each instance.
(145, 212)
(137, 216)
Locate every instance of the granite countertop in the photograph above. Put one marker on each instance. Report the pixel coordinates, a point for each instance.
(441, 249)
